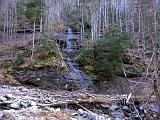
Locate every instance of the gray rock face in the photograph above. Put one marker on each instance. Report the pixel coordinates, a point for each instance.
(41, 78)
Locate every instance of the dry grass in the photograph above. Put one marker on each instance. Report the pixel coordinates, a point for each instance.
(8, 79)
(9, 48)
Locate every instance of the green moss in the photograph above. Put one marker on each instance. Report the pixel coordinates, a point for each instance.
(47, 54)
(9, 70)
(41, 62)
(6, 64)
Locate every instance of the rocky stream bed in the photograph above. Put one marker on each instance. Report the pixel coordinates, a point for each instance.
(21, 103)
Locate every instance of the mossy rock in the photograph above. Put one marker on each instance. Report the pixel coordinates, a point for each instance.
(72, 85)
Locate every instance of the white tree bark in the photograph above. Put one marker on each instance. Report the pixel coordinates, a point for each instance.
(33, 41)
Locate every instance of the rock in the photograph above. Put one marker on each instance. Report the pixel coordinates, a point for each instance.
(33, 103)
(71, 85)
(23, 90)
(105, 105)
(125, 108)
(4, 86)
(136, 117)
(2, 99)
(50, 109)
(92, 116)
(7, 102)
(114, 108)
(74, 114)
(73, 119)
(109, 119)
(101, 118)
(33, 75)
(80, 111)
(143, 115)
(38, 79)
(27, 103)
(48, 100)
(119, 119)
(127, 118)
(1, 114)
(154, 107)
(153, 97)
(141, 108)
(57, 110)
(9, 96)
(14, 105)
(33, 109)
(145, 111)
(24, 104)
(117, 114)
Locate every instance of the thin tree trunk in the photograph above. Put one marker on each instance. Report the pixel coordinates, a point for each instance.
(33, 41)
(41, 24)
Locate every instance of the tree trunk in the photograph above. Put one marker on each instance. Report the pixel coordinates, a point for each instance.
(33, 41)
